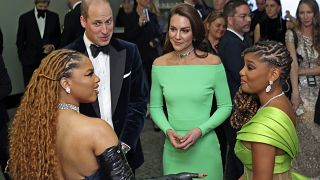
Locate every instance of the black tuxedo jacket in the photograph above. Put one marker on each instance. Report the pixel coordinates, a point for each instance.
(72, 26)
(128, 95)
(230, 49)
(29, 41)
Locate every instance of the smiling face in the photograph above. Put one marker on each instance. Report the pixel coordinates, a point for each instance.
(83, 82)
(180, 33)
(305, 14)
(255, 74)
(272, 9)
(99, 23)
(216, 28)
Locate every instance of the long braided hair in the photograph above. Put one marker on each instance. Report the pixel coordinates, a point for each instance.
(274, 54)
(33, 132)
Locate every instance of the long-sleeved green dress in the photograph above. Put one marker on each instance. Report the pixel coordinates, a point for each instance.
(187, 92)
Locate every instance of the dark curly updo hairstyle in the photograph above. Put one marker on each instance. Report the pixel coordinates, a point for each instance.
(275, 54)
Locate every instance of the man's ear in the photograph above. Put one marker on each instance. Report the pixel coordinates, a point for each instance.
(229, 21)
(83, 21)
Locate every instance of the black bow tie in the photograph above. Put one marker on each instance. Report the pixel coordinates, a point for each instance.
(95, 50)
(41, 14)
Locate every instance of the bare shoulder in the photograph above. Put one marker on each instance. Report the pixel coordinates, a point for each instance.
(285, 105)
(101, 134)
(163, 60)
(213, 59)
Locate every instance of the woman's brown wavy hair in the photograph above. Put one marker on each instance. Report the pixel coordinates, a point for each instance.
(33, 132)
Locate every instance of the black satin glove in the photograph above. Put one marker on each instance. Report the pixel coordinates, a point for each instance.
(114, 165)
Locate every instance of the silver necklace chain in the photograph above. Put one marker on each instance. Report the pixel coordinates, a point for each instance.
(68, 106)
(271, 99)
(182, 55)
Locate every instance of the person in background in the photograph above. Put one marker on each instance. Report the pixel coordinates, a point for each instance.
(232, 43)
(123, 93)
(72, 28)
(267, 142)
(273, 26)
(54, 140)
(215, 27)
(218, 5)
(38, 34)
(258, 15)
(191, 143)
(125, 11)
(201, 6)
(5, 90)
(142, 28)
(303, 43)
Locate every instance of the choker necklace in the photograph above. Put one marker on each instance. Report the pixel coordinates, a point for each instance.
(182, 55)
(68, 106)
(271, 99)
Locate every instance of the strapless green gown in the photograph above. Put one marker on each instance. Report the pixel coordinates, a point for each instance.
(270, 126)
(187, 92)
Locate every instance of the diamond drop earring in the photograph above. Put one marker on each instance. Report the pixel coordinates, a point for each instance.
(269, 87)
(68, 90)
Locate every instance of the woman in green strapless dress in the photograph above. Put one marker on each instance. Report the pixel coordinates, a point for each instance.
(267, 141)
(185, 80)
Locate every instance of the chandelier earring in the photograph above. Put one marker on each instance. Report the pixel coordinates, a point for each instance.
(68, 90)
(269, 87)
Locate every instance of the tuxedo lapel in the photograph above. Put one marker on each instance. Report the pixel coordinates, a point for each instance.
(46, 25)
(117, 67)
(34, 24)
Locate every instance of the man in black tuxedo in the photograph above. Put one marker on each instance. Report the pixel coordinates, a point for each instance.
(38, 35)
(122, 99)
(232, 43)
(5, 89)
(72, 28)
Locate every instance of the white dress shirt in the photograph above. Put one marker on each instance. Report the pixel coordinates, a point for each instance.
(240, 36)
(101, 65)
(40, 21)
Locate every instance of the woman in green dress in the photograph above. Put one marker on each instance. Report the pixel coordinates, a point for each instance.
(267, 141)
(185, 79)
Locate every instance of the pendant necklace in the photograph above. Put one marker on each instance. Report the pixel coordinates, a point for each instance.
(182, 55)
(271, 99)
(68, 106)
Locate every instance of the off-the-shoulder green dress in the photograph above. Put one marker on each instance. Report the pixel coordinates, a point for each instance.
(270, 126)
(187, 91)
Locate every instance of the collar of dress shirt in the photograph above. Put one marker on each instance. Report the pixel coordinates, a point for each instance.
(87, 43)
(75, 4)
(240, 36)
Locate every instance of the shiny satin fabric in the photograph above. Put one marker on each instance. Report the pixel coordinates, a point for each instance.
(270, 126)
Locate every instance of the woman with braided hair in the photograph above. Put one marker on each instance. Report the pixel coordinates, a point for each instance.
(50, 139)
(267, 141)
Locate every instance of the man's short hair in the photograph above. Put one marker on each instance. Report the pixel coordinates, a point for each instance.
(85, 6)
(230, 7)
(41, 1)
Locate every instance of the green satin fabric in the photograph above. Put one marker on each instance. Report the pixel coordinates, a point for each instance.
(270, 126)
